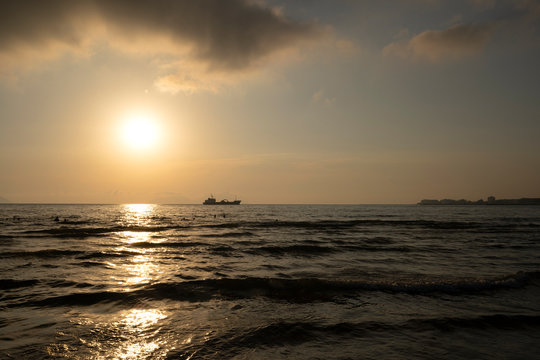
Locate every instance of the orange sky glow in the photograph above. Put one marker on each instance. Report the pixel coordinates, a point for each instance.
(268, 101)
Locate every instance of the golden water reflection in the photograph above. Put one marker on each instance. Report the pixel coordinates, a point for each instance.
(138, 214)
(141, 270)
(131, 333)
(142, 318)
(138, 269)
(135, 325)
(132, 237)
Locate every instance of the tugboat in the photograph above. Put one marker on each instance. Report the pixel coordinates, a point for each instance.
(212, 201)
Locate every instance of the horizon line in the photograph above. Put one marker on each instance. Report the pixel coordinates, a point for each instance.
(151, 203)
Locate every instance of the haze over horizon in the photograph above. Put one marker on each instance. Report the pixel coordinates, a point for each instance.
(271, 101)
(443, 201)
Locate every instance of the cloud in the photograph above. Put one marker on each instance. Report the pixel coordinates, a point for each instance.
(484, 4)
(227, 34)
(508, 23)
(320, 97)
(222, 36)
(454, 43)
(346, 47)
(186, 83)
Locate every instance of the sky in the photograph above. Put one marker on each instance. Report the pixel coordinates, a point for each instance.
(269, 101)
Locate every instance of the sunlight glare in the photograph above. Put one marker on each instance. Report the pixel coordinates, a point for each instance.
(140, 271)
(140, 131)
(138, 214)
(137, 344)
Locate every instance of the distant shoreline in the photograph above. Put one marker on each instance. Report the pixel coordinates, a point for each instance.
(427, 202)
(490, 201)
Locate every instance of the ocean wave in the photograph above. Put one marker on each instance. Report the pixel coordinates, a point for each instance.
(76, 222)
(67, 283)
(85, 232)
(320, 250)
(87, 264)
(499, 321)
(80, 299)
(8, 284)
(46, 253)
(285, 333)
(106, 255)
(56, 253)
(298, 250)
(344, 224)
(176, 244)
(222, 249)
(306, 249)
(376, 248)
(82, 232)
(7, 240)
(293, 290)
(228, 235)
(312, 289)
(68, 232)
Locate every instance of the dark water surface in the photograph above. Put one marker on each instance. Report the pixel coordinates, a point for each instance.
(269, 282)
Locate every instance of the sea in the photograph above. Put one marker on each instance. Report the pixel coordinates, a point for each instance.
(143, 281)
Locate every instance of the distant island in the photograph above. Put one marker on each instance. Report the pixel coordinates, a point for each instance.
(490, 201)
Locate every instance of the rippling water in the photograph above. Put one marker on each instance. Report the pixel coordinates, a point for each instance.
(269, 282)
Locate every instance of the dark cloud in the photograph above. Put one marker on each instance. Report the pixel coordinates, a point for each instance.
(506, 23)
(34, 22)
(226, 35)
(229, 34)
(462, 36)
(483, 4)
(454, 43)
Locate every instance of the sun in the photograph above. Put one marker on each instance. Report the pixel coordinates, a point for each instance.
(140, 131)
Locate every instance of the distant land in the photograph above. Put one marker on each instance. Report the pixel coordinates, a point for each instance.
(490, 201)
(3, 200)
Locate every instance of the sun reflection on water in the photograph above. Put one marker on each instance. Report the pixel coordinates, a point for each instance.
(131, 333)
(138, 214)
(142, 318)
(137, 322)
(132, 237)
(140, 270)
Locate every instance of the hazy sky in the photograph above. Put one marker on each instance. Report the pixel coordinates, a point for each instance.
(272, 101)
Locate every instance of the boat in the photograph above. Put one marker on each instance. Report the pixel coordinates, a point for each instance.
(212, 201)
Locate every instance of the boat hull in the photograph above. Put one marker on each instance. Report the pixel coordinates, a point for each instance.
(211, 201)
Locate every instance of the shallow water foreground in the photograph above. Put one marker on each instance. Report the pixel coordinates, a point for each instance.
(269, 282)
